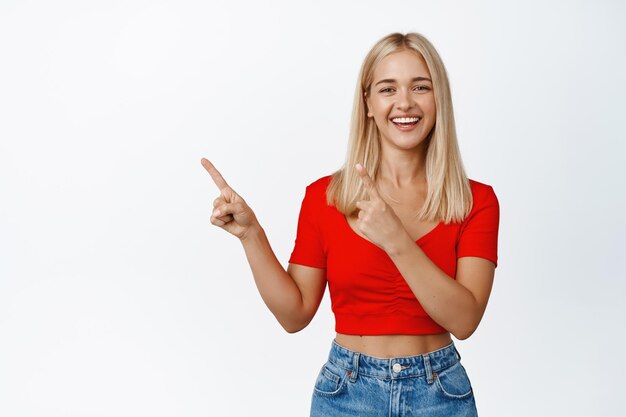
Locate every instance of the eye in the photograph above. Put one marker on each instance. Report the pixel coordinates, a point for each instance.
(386, 90)
(422, 88)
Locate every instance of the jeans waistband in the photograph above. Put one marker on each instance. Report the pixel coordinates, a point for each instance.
(394, 368)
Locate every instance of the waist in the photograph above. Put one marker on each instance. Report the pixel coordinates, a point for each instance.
(394, 367)
(381, 322)
(393, 345)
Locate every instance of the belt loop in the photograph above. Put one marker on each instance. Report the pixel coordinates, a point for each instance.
(457, 352)
(355, 366)
(429, 371)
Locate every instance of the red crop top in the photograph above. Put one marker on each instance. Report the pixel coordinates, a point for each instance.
(368, 294)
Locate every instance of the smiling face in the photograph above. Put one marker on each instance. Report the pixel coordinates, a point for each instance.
(401, 100)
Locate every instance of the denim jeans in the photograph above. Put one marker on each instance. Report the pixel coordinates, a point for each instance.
(432, 384)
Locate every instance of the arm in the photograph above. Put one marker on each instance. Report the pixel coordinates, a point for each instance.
(457, 305)
(293, 296)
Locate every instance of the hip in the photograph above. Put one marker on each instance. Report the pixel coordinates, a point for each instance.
(434, 383)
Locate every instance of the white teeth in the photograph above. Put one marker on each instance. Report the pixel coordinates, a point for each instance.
(405, 119)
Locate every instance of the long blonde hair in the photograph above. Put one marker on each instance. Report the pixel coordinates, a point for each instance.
(449, 196)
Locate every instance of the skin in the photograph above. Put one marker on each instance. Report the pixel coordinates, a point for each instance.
(386, 218)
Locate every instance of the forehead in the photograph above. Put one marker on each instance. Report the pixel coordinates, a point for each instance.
(401, 65)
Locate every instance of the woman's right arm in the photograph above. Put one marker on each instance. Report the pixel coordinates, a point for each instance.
(293, 296)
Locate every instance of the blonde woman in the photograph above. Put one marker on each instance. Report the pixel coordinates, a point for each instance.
(406, 242)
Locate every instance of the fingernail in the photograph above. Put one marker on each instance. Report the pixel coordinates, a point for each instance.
(217, 213)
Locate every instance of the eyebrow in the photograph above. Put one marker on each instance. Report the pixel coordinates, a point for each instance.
(391, 80)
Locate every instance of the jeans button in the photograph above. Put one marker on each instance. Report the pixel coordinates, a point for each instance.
(397, 367)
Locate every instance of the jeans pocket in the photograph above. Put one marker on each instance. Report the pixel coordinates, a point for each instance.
(453, 382)
(330, 380)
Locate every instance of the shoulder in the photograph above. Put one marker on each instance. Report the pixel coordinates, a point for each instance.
(485, 204)
(483, 196)
(481, 191)
(317, 189)
(315, 193)
(314, 206)
(320, 183)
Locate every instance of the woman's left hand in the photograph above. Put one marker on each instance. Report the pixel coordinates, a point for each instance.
(376, 219)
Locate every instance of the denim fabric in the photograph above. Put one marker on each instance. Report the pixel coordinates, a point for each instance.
(432, 384)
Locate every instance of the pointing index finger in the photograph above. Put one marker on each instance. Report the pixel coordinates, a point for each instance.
(215, 174)
(369, 184)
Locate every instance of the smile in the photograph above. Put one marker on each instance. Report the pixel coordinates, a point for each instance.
(405, 124)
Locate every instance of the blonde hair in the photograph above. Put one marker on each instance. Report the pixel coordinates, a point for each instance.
(449, 196)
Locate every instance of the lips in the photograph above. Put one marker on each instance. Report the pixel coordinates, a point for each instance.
(405, 119)
(406, 123)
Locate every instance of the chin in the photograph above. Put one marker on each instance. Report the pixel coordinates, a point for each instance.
(408, 144)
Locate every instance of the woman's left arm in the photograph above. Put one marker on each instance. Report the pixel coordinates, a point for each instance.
(456, 305)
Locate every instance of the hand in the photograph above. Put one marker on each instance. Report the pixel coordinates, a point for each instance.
(231, 212)
(376, 219)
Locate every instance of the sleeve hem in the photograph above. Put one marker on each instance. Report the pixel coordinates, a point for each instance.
(306, 263)
(477, 255)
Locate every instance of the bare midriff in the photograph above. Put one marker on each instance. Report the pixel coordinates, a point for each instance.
(395, 345)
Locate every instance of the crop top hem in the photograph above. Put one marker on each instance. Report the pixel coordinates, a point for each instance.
(380, 325)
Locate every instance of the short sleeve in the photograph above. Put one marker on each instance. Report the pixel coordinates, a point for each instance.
(479, 233)
(308, 248)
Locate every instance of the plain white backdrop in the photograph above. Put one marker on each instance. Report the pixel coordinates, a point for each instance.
(119, 298)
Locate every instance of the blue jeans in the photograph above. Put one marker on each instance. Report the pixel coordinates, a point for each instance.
(432, 384)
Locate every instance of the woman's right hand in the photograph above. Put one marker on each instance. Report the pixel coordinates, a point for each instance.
(231, 212)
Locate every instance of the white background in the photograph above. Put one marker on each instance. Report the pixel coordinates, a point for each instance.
(119, 298)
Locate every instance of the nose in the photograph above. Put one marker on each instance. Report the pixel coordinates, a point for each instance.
(405, 100)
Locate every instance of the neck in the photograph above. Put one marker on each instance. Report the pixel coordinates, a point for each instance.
(399, 170)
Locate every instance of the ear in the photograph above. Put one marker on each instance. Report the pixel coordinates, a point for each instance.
(367, 104)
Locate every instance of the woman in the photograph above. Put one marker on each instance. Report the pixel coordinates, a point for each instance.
(406, 242)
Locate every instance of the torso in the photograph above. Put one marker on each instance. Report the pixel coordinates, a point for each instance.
(388, 346)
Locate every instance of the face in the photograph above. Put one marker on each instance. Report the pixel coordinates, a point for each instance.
(401, 100)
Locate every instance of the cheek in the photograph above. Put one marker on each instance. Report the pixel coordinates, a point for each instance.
(430, 106)
(380, 123)
(380, 114)
(431, 110)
